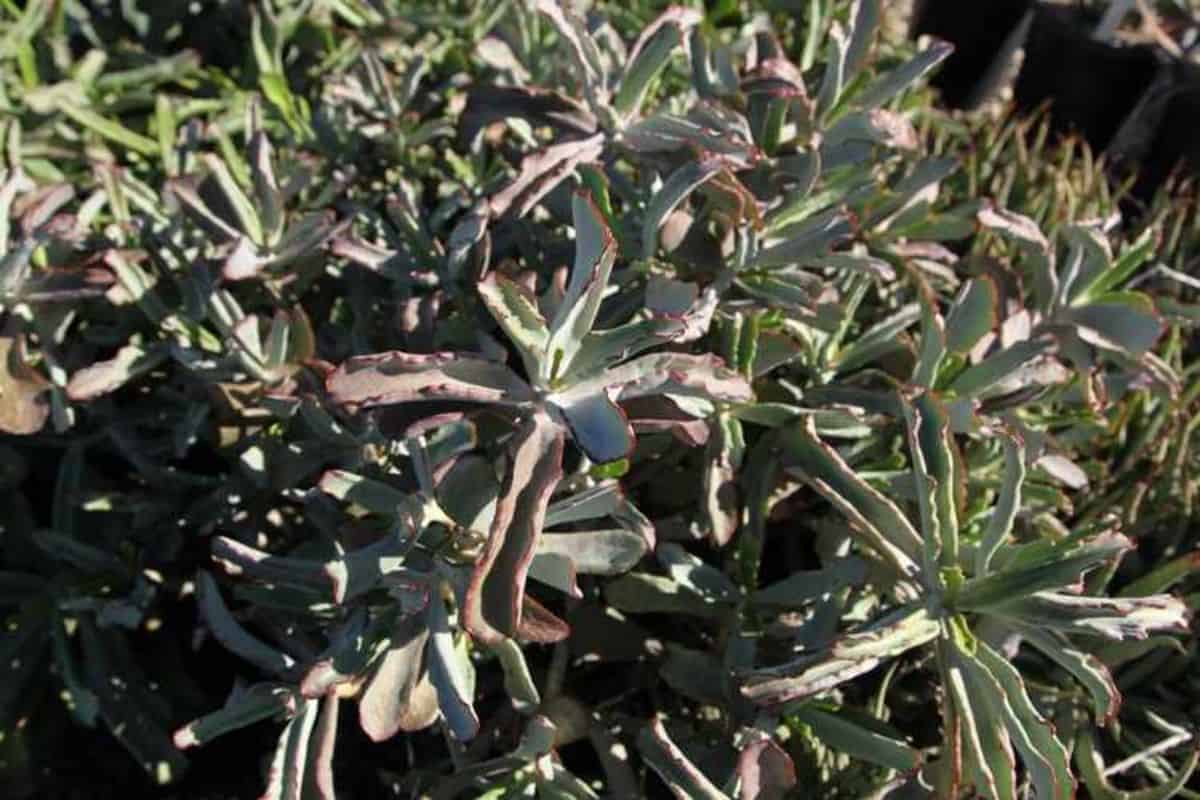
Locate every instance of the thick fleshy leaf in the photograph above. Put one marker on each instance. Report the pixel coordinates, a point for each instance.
(683, 778)
(804, 587)
(573, 32)
(597, 501)
(540, 625)
(269, 200)
(650, 55)
(398, 377)
(595, 252)
(850, 656)
(642, 593)
(244, 707)
(1000, 524)
(241, 559)
(806, 242)
(725, 450)
(978, 705)
(974, 314)
(390, 690)
(604, 349)
(230, 632)
(600, 552)
(23, 405)
(541, 172)
(105, 377)
(933, 457)
(1044, 756)
(1112, 617)
(371, 494)
(665, 133)
(872, 515)
(893, 83)
(681, 183)
(1127, 322)
(518, 682)
(879, 340)
(694, 574)
(447, 672)
(834, 80)
(515, 308)
(677, 374)
(852, 736)
(875, 126)
(494, 600)
(319, 778)
(1000, 366)
(289, 766)
(598, 426)
(765, 770)
(1057, 573)
(1085, 667)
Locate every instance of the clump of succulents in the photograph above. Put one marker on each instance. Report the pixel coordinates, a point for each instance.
(631, 401)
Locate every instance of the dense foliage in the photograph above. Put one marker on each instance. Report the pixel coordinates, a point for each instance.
(489, 400)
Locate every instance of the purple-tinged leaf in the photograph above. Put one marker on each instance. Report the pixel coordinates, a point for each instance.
(539, 625)
(572, 30)
(392, 685)
(683, 778)
(542, 171)
(851, 655)
(680, 374)
(766, 771)
(398, 377)
(665, 133)
(289, 766)
(320, 774)
(493, 605)
(1117, 618)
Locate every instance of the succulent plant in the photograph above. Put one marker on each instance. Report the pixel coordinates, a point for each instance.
(618, 402)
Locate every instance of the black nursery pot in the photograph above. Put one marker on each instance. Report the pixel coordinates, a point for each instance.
(978, 31)
(1175, 144)
(1091, 86)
